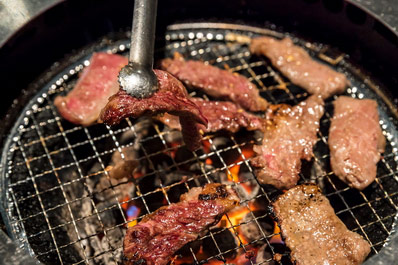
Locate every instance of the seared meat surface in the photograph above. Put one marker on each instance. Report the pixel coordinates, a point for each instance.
(158, 236)
(171, 97)
(355, 141)
(313, 232)
(97, 83)
(290, 134)
(221, 115)
(216, 82)
(297, 65)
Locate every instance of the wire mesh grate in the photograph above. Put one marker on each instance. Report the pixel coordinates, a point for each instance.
(64, 205)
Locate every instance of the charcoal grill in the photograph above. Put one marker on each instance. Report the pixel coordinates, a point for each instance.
(61, 204)
(52, 164)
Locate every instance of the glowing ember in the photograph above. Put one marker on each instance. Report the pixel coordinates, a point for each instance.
(276, 238)
(235, 219)
(233, 174)
(138, 175)
(248, 152)
(124, 202)
(132, 214)
(174, 147)
(206, 146)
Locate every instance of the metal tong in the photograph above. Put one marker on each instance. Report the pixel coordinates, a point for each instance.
(137, 78)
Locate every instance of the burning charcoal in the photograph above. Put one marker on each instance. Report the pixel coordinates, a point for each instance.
(147, 185)
(225, 241)
(120, 189)
(264, 256)
(175, 191)
(88, 227)
(253, 231)
(229, 156)
(123, 169)
(185, 251)
(112, 242)
(182, 155)
(200, 169)
(110, 214)
(157, 162)
(246, 191)
(140, 130)
(173, 136)
(124, 163)
(174, 177)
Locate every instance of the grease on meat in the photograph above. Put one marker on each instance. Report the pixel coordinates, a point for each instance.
(97, 83)
(289, 137)
(216, 82)
(171, 97)
(313, 232)
(221, 115)
(355, 141)
(158, 236)
(297, 65)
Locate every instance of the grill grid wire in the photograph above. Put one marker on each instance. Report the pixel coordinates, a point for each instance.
(203, 44)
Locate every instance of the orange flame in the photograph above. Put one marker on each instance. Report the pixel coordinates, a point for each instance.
(233, 173)
(276, 238)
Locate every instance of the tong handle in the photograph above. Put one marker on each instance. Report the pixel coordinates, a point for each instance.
(143, 33)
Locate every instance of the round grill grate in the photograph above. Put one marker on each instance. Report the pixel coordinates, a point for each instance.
(61, 203)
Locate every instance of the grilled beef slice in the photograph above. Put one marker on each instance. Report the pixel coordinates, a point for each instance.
(297, 65)
(221, 115)
(355, 141)
(171, 97)
(290, 134)
(216, 82)
(313, 232)
(158, 236)
(97, 83)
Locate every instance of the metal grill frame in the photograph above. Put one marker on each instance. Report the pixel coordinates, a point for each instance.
(176, 40)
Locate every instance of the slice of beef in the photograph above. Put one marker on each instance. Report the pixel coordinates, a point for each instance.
(313, 232)
(216, 82)
(297, 65)
(355, 141)
(97, 83)
(289, 137)
(158, 236)
(171, 97)
(221, 115)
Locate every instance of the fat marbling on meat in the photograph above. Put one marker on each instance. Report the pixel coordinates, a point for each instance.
(158, 236)
(170, 97)
(221, 115)
(216, 82)
(289, 136)
(355, 141)
(97, 83)
(297, 65)
(313, 232)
